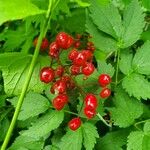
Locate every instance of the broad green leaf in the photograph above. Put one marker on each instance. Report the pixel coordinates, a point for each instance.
(126, 109)
(26, 143)
(125, 63)
(145, 35)
(33, 105)
(102, 41)
(133, 22)
(143, 139)
(141, 59)
(15, 67)
(89, 134)
(113, 140)
(72, 140)
(136, 85)
(103, 67)
(17, 9)
(45, 124)
(147, 127)
(107, 18)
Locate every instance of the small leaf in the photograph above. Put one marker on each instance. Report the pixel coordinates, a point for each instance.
(103, 67)
(126, 109)
(141, 59)
(89, 134)
(33, 105)
(72, 140)
(133, 22)
(45, 124)
(107, 18)
(133, 85)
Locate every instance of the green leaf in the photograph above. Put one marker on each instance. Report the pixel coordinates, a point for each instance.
(25, 142)
(103, 67)
(113, 140)
(107, 18)
(146, 4)
(133, 85)
(126, 109)
(133, 22)
(17, 9)
(147, 127)
(33, 105)
(141, 59)
(102, 41)
(82, 4)
(45, 124)
(22, 38)
(125, 63)
(78, 24)
(72, 140)
(143, 139)
(15, 67)
(89, 134)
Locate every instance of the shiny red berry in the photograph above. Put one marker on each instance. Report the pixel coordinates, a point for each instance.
(44, 44)
(75, 70)
(47, 74)
(88, 54)
(91, 101)
(60, 101)
(104, 80)
(90, 113)
(73, 54)
(88, 69)
(80, 60)
(74, 124)
(64, 40)
(59, 71)
(54, 50)
(105, 93)
(59, 86)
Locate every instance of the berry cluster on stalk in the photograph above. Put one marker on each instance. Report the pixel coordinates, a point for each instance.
(62, 78)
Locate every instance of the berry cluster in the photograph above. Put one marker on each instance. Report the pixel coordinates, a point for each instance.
(62, 77)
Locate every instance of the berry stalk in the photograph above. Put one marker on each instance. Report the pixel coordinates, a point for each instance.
(27, 81)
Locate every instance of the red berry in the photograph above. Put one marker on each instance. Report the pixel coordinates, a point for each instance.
(75, 70)
(54, 50)
(90, 113)
(105, 93)
(88, 54)
(74, 124)
(44, 44)
(46, 74)
(88, 69)
(80, 60)
(59, 71)
(60, 101)
(64, 40)
(91, 101)
(59, 86)
(77, 44)
(104, 79)
(73, 54)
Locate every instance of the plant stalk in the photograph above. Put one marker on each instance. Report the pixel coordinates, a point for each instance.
(27, 81)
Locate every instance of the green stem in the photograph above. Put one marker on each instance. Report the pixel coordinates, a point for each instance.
(143, 121)
(117, 67)
(26, 84)
(103, 120)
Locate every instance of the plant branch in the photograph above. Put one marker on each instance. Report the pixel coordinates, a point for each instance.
(27, 81)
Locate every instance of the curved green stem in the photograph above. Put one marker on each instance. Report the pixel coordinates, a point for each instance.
(27, 81)
(117, 67)
(103, 120)
(143, 121)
